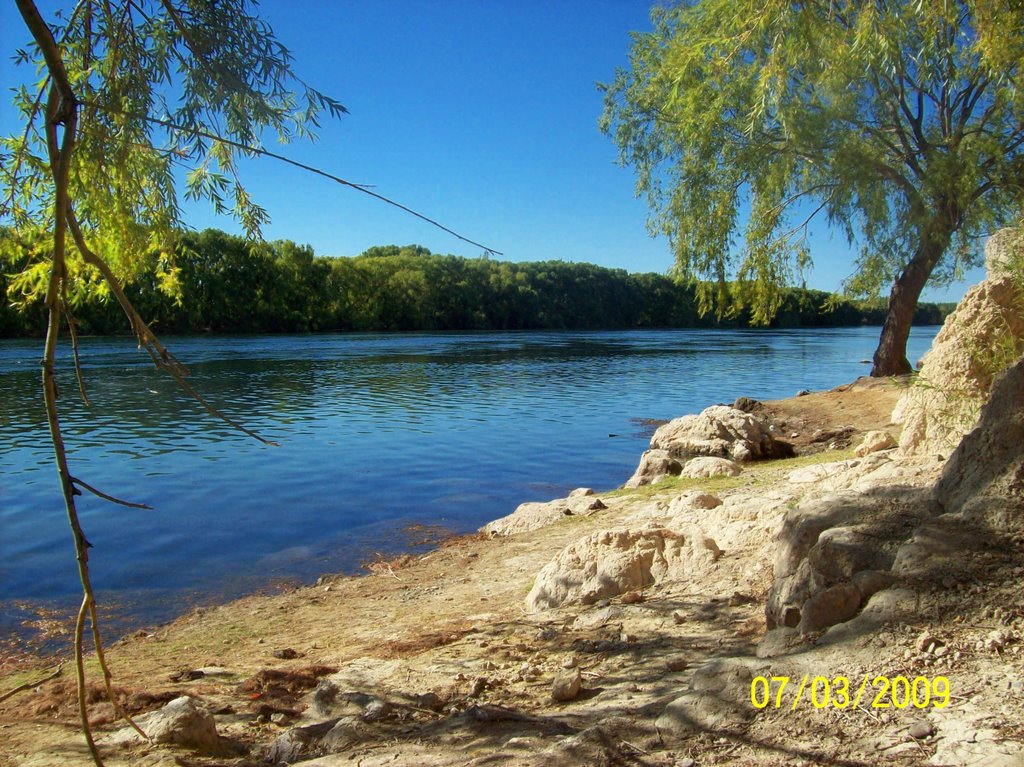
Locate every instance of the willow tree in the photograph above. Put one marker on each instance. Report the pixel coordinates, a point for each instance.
(130, 96)
(901, 122)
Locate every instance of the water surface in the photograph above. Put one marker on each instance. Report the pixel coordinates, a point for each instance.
(375, 432)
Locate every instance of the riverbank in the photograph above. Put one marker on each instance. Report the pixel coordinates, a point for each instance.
(435, 660)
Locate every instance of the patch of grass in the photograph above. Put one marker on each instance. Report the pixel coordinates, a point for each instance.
(757, 473)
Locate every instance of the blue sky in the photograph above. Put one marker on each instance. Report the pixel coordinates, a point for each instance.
(480, 114)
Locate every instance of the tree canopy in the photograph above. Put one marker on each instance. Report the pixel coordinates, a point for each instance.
(900, 122)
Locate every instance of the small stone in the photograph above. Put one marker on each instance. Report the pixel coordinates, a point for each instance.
(581, 492)
(632, 598)
(286, 653)
(479, 686)
(566, 686)
(431, 701)
(278, 718)
(376, 710)
(925, 640)
(570, 662)
(676, 664)
(920, 729)
(678, 617)
(687, 762)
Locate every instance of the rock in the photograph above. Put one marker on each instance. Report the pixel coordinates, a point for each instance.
(704, 501)
(376, 710)
(842, 551)
(869, 582)
(718, 698)
(778, 641)
(533, 516)
(676, 664)
(706, 466)
(430, 701)
(920, 729)
(286, 653)
(581, 492)
(182, 722)
(632, 598)
(987, 325)
(595, 618)
(873, 442)
(984, 477)
(999, 252)
(612, 562)
(654, 464)
(567, 685)
(833, 605)
(299, 743)
(747, 405)
(722, 432)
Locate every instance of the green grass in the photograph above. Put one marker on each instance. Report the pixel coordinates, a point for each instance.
(753, 474)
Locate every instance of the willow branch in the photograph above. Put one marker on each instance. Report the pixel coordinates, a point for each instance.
(73, 332)
(161, 357)
(199, 133)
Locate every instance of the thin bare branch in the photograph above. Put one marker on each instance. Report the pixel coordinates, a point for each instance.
(198, 133)
(34, 683)
(99, 494)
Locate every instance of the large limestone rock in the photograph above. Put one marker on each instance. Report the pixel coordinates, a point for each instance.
(533, 516)
(984, 478)
(721, 432)
(612, 562)
(956, 375)
(705, 467)
(654, 464)
(832, 555)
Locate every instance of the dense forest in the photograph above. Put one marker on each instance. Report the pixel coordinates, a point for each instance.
(227, 284)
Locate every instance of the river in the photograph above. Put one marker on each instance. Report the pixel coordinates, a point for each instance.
(375, 432)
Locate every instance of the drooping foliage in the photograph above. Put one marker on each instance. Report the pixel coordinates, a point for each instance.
(900, 121)
(163, 90)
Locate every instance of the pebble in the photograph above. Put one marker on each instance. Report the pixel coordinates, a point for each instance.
(676, 664)
(566, 686)
(376, 710)
(920, 729)
(632, 598)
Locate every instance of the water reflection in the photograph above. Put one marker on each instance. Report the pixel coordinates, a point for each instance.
(375, 432)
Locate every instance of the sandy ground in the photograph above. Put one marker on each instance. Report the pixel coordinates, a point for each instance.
(434, 660)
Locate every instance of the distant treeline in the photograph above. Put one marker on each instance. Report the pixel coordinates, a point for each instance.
(229, 285)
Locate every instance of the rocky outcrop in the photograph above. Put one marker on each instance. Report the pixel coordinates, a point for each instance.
(987, 468)
(654, 464)
(533, 516)
(613, 562)
(983, 335)
(704, 467)
(722, 432)
(873, 442)
(833, 554)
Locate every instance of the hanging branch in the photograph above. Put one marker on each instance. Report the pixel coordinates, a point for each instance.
(255, 150)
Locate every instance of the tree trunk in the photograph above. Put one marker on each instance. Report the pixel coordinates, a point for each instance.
(891, 355)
